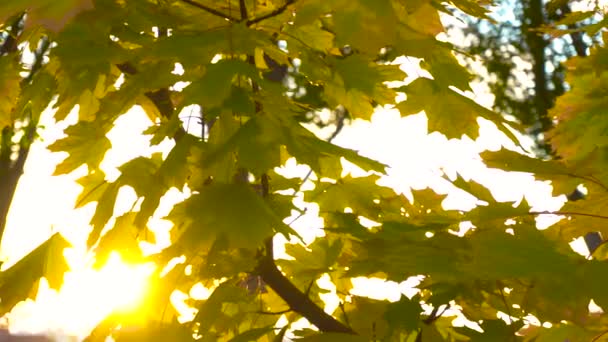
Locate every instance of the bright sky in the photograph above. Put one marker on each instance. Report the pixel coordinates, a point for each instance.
(44, 204)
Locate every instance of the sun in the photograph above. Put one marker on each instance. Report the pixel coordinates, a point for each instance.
(86, 297)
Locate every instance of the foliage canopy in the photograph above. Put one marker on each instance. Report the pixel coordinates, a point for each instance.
(258, 71)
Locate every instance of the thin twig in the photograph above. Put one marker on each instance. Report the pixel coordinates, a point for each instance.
(432, 316)
(274, 312)
(597, 338)
(307, 293)
(269, 15)
(210, 10)
(339, 127)
(286, 34)
(504, 301)
(564, 213)
(345, 315)
(447, 306)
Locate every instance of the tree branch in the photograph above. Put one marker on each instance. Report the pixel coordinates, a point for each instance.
(210, 10)
(243, 10)
(577, 37)
(11, 170)
(274, 13)
(296, 300)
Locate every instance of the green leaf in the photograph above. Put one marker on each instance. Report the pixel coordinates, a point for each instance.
(252, 335)
(563, 332)
(362, 195)
(448, 112)
(93, 185)
(166, 128)
(494, 330)
(367, 39)
(562, 176)
(53, 15)
(320, 155)
(231, 210)
(473, 188)
(497, 212)
(358, 84)
(313, 261)
(472, 8)
(172, 172)
(256, 145)
(574, 17)
(366, 317)
(85, 143)
(211, 310)
(103, 212)
(404, 314)
(139, 173)
(18, 282)
(215, 86)
(312, 34)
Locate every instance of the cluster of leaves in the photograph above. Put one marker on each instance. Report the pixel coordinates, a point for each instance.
(525, 68)
(108, 56)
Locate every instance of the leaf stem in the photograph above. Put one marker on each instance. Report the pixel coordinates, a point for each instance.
(79, 203)
(504, 301)
(589, 179)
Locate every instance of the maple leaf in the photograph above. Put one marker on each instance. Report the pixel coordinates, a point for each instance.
(85, 143)
(262, 73)
(449, 112)
(18, 282)
(231, 210)
(52, 15)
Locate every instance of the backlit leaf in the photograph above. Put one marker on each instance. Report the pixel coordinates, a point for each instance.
(231, 210)
(53, 15)
(85, 143)
(448, 112)
(18, 282)
(121, 238)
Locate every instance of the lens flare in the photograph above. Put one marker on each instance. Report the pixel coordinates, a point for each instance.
(87, 296)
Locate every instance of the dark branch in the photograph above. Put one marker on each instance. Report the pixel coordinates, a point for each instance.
(577, 37)
(9, 44)
(210, 10)
(243, 10)
(296, 300)
(274, 13)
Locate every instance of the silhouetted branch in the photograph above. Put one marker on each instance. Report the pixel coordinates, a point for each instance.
(210, 10)
(296, 300)
(274, 13)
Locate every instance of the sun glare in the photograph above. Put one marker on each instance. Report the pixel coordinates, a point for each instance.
(86, 297)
